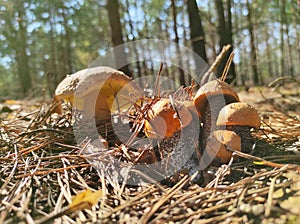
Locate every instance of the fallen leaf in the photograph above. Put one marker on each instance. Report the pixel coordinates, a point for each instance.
(85, 200)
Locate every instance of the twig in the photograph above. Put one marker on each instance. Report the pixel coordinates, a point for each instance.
(227, 66)
(156, 88)
(53, 170)
(213, 68)
(270, 197)
(260, 161)
(145, 218)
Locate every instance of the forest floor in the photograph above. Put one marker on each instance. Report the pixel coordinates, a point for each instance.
(41, 168)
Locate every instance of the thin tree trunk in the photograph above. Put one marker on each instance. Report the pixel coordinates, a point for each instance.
(148, 51)
(112, 7)
(268, 54)
(197, 33)
(232, 72)
(52, 69)
(295, 17)
(290, 53)
(171, 74)
(243, 67)
(289, 61)
(21, 55)
(186, 43)
(253, 56)
(295, 23)
(282, 61)
(138, 66)
(165, 52)
(67, 41)
(225, 36)
(178, 53)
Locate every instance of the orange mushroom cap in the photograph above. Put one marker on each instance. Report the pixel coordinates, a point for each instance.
(238, 114)
(214, 88)
(163, 120)
(217, 142)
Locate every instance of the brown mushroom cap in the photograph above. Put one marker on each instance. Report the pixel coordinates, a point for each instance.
(219, 140)
(97, 87)
(163, 120)
(238, 114)
(214, 88)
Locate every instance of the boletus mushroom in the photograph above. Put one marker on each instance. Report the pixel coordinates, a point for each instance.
(175, 132)
(240, 118)
(209, 100)
(163, 119)
(97, 91)
(218, 143)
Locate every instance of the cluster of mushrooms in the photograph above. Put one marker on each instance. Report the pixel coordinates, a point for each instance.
(223, 121)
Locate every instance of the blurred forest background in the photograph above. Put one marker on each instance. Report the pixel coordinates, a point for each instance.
(43, 40)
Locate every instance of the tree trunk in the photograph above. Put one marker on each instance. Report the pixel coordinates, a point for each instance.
(197, 33)
(212, 44)
(232, 73)
(137, 59)
(52, 70)
(21, 56)
(295, 24)
(225, 35)
(289, 58)
(282, 61)
(112, 7)
(253, 56)
(178, 53)
(170, 72)
(67, 40)
(269, 57)
(186, 62)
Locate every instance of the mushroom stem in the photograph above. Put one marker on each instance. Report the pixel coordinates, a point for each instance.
(210, 116)
(247, 139)
(179, 152)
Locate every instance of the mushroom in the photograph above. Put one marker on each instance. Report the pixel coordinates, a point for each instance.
(211, 91)
(163, 120)
(172, 126)
(240, 118)
(218, 143)
(209, 100)
(98, 91)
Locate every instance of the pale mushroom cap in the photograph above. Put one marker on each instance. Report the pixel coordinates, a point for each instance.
(219, 140)
(88, 80)
(99, 91)
(163, 120)
(238, 114)
(214, 88)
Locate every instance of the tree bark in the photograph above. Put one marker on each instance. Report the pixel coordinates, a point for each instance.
(295, 23)
(112, 7)
(21, 55)
(67, 41)
(253, 56)
(268, 54)
(282, 61)
(186, 62)
(225, 34)
(197, 33)
(289, 58)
